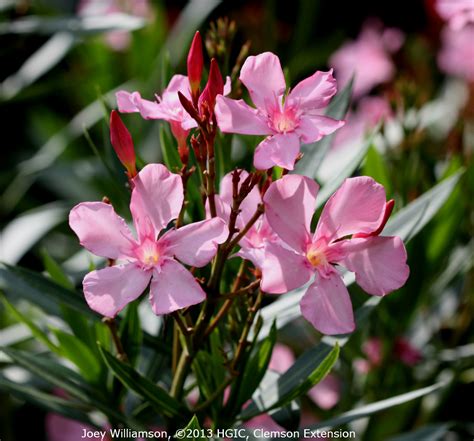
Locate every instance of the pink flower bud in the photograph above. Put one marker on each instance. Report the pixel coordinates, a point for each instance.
(214, 87)
(195, 63)
(122, 143)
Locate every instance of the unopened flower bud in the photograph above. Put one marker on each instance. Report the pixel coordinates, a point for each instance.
(181, 136)
(195, 63)
(214, 86)
(122, 143)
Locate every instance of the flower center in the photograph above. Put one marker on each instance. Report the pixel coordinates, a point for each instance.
(316, 257)
(285, 120)
(148, 252)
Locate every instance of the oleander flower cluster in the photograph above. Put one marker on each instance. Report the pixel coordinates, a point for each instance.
(262, 217)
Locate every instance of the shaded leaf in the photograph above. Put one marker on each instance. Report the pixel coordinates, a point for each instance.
(307, 371)
(157, 396)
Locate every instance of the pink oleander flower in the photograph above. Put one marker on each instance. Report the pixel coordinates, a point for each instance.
(456, 56)
(157, 198)
(368, 58)
(167, 107)
(287, 119)
(457, 12)
(370, 111)
(253, 243)
(347, 234)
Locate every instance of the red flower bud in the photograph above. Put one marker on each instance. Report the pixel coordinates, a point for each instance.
(195, 63)
(214, 87)
(122, 143)
(181, 137)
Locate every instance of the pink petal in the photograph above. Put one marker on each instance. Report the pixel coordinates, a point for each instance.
(133, 102)
(109, 290)
(327, 306)
(178, 83)
(173, 287)
(314, 92)
(279, 149)
(227, 86)
(313, 127)
(378, 262)
(282, 358)
(326, 394)
(101, 230)
(254, 255)
(263, 77)
(127, 102)
(283, 270)
(358, 206)
(235, 116)
(157, 198)
(196, 244)
(289, 206)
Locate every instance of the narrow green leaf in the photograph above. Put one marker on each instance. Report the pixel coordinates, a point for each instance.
(345, 171)
(76, 25)
(256, 367)
(22, 283)
(370, 409)
(315, 153)
(55, 271)
(45, 293)
(376, 167)
(410, 220)
(50, 403)
(296, 381)
(51, 371)
(25, 230)
(192, 432)
(157, 396)
(71, 382)
(131, 333)
(169, 150)
(35, 330)
(81, 355)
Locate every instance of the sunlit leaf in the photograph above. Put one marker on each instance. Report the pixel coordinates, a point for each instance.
(24, 231)
(370, 409)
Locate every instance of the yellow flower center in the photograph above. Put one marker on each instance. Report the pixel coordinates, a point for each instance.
(316, 257)
(148, 253)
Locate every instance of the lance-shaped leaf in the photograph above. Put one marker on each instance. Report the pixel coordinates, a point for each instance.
(370, 409)
(308, 371)
(50, 403)
(161, 401)
(68, 380)
(256, 367)
(192, 432)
